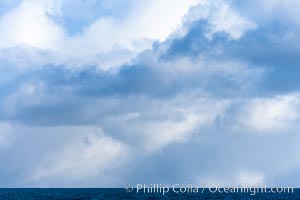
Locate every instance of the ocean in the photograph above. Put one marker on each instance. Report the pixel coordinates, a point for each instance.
(120, 193)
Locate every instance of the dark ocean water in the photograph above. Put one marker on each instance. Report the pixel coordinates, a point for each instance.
(118, 193)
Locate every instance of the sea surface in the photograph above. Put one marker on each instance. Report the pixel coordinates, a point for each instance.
(120, 193)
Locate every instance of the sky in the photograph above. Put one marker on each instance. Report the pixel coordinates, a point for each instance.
(105, 93)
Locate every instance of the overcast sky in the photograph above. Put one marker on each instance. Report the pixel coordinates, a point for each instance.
(105, 93)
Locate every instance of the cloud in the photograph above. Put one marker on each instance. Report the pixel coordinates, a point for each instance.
(221, 17)
(252, 179)
(271, 114)
(28, 24)
(6, 135)
(240, 179)
(225, 19)
(163, 122)
(7, 5)
(41, 25)
(37, 24)
(86, 156)
(167, 97)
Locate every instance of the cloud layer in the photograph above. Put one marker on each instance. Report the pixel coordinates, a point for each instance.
(191, 91)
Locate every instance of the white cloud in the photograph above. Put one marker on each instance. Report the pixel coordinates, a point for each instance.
(225, 19)
(143, 23)
(32, 24)
(162, 123)
(271, 114)
(221, 17)
(136, 32)
(159, 134)
(236, 178)
(157, 19)
(179, 102)
(83, 157)
(29, 25)
(250, 179)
